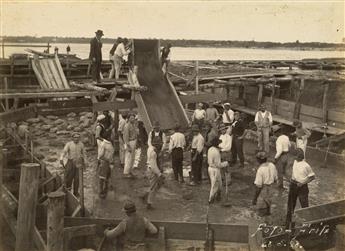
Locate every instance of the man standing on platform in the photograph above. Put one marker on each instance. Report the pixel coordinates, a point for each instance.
(263, 121)
(282, 156)
(176, 145)
(120, 52)
(165, 58)
(112, 57)
(74, 151)
(130, 135)
(238, 133)
(96, 56)
(197, 155)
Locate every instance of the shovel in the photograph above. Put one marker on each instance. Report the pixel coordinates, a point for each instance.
(226, 202)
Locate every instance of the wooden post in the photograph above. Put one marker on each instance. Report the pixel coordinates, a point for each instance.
(273, 107)
(81, 190)
(6, 90)
(55, 221)
(325, 103)
(261, 88)
(197, 77)
(48, 47)
(26, 217)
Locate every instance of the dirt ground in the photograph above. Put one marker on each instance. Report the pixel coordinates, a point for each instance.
(180, 202)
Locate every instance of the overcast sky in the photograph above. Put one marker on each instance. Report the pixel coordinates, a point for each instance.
(282, 21)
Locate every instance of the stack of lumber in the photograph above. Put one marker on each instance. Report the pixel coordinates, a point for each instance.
(49, 73)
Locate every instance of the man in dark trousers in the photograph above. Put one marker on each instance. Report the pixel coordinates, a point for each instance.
(96, 56)
(238, 133)
(131, 231)
(176, 146)
(302, 174)
(158, 133)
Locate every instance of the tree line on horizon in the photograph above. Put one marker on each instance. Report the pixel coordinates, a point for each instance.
(181, 42)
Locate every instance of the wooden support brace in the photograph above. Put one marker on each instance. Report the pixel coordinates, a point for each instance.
(325, 103)
(161, 239)
(77, 231)
(55, 221)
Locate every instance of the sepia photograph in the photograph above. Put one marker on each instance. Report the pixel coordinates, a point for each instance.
(171, 125)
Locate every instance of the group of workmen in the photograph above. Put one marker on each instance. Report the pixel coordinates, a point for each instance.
(120, 52)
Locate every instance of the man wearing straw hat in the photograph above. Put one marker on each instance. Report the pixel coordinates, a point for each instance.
(74, 151)
(96, 56)
(132, 229)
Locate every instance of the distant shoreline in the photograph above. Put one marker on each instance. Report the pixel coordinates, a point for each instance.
(193, 43)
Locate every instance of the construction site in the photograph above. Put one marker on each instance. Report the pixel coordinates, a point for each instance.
(46, 98)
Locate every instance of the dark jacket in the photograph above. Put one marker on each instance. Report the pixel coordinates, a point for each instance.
(95, 50)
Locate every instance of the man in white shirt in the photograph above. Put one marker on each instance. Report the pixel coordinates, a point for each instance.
(225, 150)
(176, 145)
(266, 176)
(161, 137)
(302, 135)
(199, 115)
(122, 123)
(228, 115)
(153, 172)
(302, 174)
(282, 156)
(120, 52)
(263, 121)
(215, 165)
(197, 155)
(74, 151)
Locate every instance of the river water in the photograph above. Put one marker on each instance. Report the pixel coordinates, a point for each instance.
(198, 53)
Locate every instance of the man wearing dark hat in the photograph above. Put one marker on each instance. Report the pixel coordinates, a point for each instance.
(263, 121)
(302, 174)
(96, 56)
(198, 143)
(132, 229)
(238, 134)
(153, 172)
(74, 151)
(158, 134)
(176, 146)
(266, 176)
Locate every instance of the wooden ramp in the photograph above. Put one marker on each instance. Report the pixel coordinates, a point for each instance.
(49, 73)
(160, 102)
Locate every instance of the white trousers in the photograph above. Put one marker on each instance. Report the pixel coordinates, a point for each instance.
(216, 181)
(129, 157)
(121, 151)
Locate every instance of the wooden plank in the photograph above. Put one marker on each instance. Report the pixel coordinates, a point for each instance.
(55, 73)
(69, 103)
(82, 230)
(204, 97)
(114, 105)
(311, 111)
(334, 210)
(62, 75)
(177, 230)
(18, 115)
(44, 74)
(53, 94)
(45, 64)
(336, 116)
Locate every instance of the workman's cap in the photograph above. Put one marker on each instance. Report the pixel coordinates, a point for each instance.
(200, 104)
(99, 32)
(262, 106)
(297, 123)
(261, 155)
(299, 153)
(227, 104)
(129, 207)
(76, 135)
(156, 124)
(100, 117)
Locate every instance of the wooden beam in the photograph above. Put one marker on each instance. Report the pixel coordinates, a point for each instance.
(77, 231)
(325, 103)
(52, 94)
(18, 115)
(176, 230)
(114, 105)
(205, 97)
(55, 222)
(28, 189)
